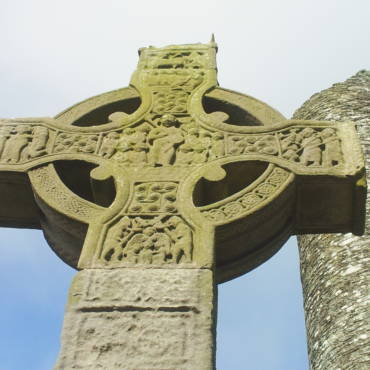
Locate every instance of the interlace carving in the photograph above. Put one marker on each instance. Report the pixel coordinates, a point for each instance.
(171, 141)
(247, 200)
(313, 147)
(75, 143)
(154, 197)
(157, 155)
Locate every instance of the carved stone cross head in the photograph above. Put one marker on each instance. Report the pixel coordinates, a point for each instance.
(175, 170)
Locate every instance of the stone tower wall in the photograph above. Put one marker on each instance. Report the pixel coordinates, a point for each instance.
(335, 267)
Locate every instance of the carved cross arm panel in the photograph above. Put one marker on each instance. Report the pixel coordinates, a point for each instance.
(175, 171)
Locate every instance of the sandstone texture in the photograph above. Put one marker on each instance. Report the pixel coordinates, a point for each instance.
(139, 319)
(161, 190)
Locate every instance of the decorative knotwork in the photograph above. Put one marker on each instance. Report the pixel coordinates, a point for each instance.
(313, 147)
(157, 155)
(154, 197)
(248, 200)
(171, 141)
(75, 143)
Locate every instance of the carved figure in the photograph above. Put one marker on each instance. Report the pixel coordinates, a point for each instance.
(311, 152)
(119, 235)
(206, 139)
(332, 154)
(109, 144)
(217, 149)
(39, 141)
(193, 137)
(164, 140)
(161, 247)
(138, 243)
(132, 147)
(16, 143)
(4, 135)
(200, 153)
(123, 147)
(290, 147)
(141, 228)
(138, 155)
(181, 236)
(184, 154)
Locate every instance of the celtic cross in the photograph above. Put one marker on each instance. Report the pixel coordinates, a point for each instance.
(159, 190)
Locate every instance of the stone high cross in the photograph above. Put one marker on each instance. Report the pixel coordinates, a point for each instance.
(159, 191)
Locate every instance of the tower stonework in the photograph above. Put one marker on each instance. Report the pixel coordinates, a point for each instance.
(335, 267)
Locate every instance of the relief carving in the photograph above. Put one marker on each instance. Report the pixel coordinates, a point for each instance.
(154, 197)
(170, 101)
(186, 79)
(134, 339)
(39, 142)
(109, 144)
(4, 135)
(176, 59)
(153, 241)
(164, 140)
(16, 143)
(247, 201)
(217, 149)
(264, 144)
(312, 147)
(76, 143)
(332, 154)
(22, 142)
(311, 150)
(132, 147)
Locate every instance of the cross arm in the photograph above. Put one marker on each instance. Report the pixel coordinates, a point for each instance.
(327, 159)
(21, 141)
(321, 161)
(305, 147)
(31, 145)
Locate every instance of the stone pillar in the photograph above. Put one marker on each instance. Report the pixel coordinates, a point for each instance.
(140, 319)
(334, 267)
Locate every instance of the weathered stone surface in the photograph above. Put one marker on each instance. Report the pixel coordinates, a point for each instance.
(154, 180)
(139, 319)
(154, 190)
(335, 268)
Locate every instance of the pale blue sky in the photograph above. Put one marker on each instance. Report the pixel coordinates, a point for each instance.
(56, 53)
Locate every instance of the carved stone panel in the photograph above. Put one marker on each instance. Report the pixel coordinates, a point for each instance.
(21, 143)
(149, 241)
(154, 197)
(139, 319)
(249, 200)
(308, 146)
